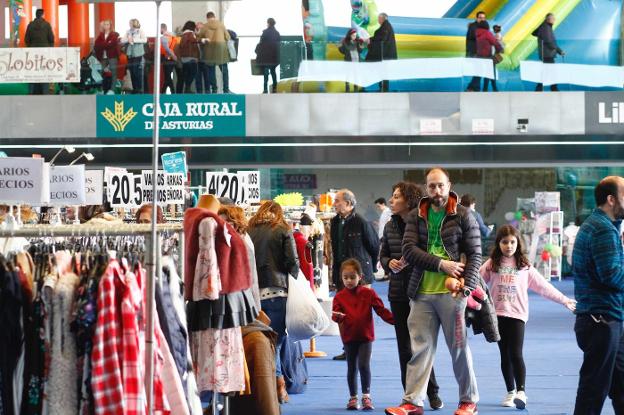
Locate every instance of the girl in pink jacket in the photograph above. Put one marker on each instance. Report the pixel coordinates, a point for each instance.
(509, 274)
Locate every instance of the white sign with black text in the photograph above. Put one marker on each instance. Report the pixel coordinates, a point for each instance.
(94, 187)
(242, 187)
(251, 186)
(170, 187)
(21, 180)
(67, 185)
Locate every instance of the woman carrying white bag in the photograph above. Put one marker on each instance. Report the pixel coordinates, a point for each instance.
(276, 258)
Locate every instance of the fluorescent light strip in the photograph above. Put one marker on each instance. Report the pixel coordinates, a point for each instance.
(339, 144)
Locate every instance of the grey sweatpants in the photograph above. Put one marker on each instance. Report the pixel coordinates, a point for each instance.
(429, 312)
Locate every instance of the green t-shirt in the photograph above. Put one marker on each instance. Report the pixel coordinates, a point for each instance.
(433, 282)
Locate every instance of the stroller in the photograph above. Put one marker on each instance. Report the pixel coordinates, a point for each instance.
(90, 73)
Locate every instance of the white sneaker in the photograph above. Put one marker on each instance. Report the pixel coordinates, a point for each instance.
(508, 402)
(520, 400)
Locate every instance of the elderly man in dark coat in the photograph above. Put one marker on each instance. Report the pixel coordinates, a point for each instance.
(382, 46)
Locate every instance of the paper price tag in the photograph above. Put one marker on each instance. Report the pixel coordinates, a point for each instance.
(67, 185)
(483, 126)
(430, 126)
(22, 181)
(94, 187)
(251, 186)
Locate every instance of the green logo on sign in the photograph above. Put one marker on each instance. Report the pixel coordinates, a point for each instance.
(179, 116)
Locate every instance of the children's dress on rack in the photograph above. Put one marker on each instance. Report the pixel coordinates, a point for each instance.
(218, 285)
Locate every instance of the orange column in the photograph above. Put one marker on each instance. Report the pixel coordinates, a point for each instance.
(27, 17)
(78, 30)
(50, 10)
(104, 11)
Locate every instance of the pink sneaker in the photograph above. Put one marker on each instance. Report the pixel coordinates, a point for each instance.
(367, 404)
(352, 405)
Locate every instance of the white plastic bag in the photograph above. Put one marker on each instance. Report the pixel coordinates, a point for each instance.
(305, 317)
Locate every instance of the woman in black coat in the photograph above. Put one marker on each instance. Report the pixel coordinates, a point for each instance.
(405, 197)
(268, 53)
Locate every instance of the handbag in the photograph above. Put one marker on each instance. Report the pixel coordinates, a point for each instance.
(497, 58)
(256, 69)
(231, 45)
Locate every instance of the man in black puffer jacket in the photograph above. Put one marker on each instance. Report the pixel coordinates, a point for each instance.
(439, 234)
(352, 237)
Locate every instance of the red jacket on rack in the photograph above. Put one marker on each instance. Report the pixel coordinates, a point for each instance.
(357, 305)
(304, 252)
(233, 262)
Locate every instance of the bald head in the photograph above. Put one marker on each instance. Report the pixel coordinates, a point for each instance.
(609, 195)
(438, 186)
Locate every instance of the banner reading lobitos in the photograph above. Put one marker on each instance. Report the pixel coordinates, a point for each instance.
(181, 116)
(34, 65)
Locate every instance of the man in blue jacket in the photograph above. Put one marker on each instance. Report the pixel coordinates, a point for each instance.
(598, 269)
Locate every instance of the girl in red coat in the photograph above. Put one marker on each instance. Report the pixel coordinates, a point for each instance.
(352, 309)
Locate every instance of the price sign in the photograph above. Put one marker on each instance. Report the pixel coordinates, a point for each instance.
(225, 185)
(170, 187)
(109, 172)
(119, 187)
(67, 185)
(251, 185)
(483, 126)
(430, 126)
(94, 187)
(22, 180)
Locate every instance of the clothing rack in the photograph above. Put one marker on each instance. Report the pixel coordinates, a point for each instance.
(152, 265)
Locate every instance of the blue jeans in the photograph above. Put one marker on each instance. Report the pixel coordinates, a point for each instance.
(135, 66)
(201, 80)
(275, 309)
(212, 78)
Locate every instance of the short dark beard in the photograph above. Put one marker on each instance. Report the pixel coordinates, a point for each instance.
(439, 201)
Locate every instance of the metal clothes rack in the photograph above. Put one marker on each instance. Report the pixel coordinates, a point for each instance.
(152, 264)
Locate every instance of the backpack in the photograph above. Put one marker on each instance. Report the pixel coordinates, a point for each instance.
(294, 367)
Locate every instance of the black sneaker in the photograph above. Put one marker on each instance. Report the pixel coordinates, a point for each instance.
(435, 402)
(341, 356)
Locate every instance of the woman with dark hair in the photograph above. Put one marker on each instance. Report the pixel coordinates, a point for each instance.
(276, 258)
(351, 47)
(268, 54)
(405, 198)
(189, 54)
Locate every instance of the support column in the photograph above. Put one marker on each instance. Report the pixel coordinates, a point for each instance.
(78, 30)
(104, 11)
(26, 17)
(51, 14)
(3, 4)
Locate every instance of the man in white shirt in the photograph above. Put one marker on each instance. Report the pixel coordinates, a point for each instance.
(384, 217)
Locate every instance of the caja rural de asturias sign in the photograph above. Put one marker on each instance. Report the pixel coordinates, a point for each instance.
(180, 116)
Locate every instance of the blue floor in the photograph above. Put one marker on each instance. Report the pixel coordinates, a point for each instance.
(551, 355)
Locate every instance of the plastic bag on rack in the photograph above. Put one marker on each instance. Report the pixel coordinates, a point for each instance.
(305, 317)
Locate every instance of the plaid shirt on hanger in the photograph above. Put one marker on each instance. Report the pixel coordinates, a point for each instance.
(107, 355)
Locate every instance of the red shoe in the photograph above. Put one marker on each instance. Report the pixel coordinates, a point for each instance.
(405, 409)
(367, 404)
(467, 408)
(352, 405)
